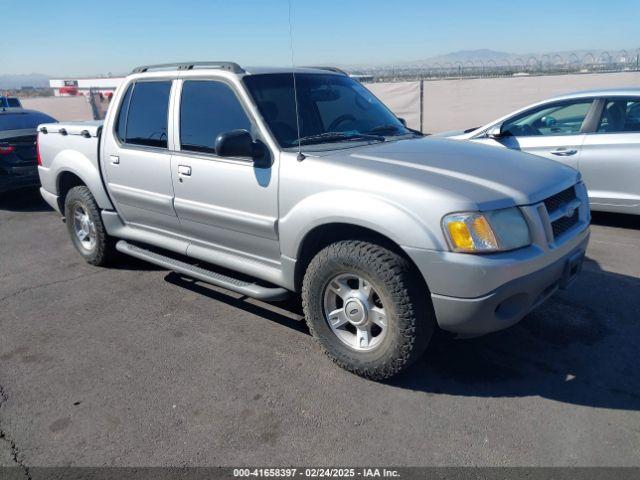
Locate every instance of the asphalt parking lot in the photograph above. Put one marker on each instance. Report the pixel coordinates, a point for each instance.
(135, 365)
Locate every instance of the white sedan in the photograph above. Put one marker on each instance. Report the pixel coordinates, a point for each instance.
(596, 132)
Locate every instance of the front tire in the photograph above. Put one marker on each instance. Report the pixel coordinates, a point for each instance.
(85, 227)
(368, 308)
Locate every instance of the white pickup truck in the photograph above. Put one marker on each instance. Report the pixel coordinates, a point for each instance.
(385, 233)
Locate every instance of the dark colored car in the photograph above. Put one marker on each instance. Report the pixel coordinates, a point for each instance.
(18, 152)
(10, 102)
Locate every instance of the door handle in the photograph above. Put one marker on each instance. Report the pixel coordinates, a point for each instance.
(564, 152)
(115, 160)
(184, 170)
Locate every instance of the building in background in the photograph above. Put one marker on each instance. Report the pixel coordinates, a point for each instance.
(69, 87)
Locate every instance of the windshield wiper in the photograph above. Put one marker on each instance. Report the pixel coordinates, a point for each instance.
(390, 127)
(337, 137)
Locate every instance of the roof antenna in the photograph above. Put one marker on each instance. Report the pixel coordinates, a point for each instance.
(301, 156)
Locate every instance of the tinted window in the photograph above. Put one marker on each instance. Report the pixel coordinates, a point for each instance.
(620, 116)
(121, 122)
(208, 108)
(147, 115)
(14, 102)
(23, 120)
(327, 103)
(563, 118)
(343, 105)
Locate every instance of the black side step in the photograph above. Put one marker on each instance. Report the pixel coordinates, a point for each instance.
(240, 286)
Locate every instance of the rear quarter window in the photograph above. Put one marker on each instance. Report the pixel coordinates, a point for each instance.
(121, 122)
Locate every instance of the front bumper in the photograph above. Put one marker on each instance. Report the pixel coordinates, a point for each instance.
(509, 303)
(514, 283)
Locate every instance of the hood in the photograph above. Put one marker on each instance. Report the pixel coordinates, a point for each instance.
(485, 176)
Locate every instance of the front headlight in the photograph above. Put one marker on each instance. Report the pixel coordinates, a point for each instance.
(482, 232)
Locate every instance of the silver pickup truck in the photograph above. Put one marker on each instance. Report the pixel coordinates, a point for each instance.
(302, 181)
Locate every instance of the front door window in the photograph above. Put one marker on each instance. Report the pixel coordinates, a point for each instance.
(562, 118)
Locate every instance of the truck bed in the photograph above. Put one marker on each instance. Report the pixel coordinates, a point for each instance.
(71, 147)
(82, 137)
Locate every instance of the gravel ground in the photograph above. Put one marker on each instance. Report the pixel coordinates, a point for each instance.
(135, 365)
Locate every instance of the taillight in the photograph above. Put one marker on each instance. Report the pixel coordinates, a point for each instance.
(6, 149)
(38, 151)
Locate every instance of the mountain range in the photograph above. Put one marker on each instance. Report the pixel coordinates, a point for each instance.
(37, 80)
(485, 56)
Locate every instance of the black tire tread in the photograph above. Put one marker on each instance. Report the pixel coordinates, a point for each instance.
(410, 304)
(105, 245)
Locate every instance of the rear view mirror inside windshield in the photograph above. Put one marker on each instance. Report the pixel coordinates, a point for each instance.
(325, 94)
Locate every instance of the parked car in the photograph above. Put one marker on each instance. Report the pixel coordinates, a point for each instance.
(597, 132)
(10, 102)
(18, 131)
(386, 234)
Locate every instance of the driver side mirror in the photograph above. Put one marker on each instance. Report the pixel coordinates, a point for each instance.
(238, 143)
(495, 132)
(403, 121)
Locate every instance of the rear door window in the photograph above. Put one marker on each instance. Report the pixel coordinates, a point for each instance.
(207, 109)
(146, 122)
(620, 116)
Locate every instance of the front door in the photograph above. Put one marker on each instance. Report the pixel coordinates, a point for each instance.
(136, 158)
(224, 204)
(552, 130)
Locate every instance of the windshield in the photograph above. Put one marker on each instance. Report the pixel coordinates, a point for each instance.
(332, 108)
(23, 120)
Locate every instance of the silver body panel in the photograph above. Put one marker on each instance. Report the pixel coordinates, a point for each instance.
(254, 220)
(610, 166)
(608, 161)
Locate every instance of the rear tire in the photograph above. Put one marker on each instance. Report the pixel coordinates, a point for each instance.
(368, 308)
(85, 227)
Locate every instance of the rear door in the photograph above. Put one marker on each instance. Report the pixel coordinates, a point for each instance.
(136, 157)
(610, 160)
(553, 130)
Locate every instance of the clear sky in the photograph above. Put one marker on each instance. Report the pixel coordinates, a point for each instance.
(81, 38)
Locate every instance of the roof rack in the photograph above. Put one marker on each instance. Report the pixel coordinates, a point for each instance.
(230, 66)
(330, 69)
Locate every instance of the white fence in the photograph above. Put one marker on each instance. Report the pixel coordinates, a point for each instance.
(61, 108)
(403, 98)
(465, 103)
